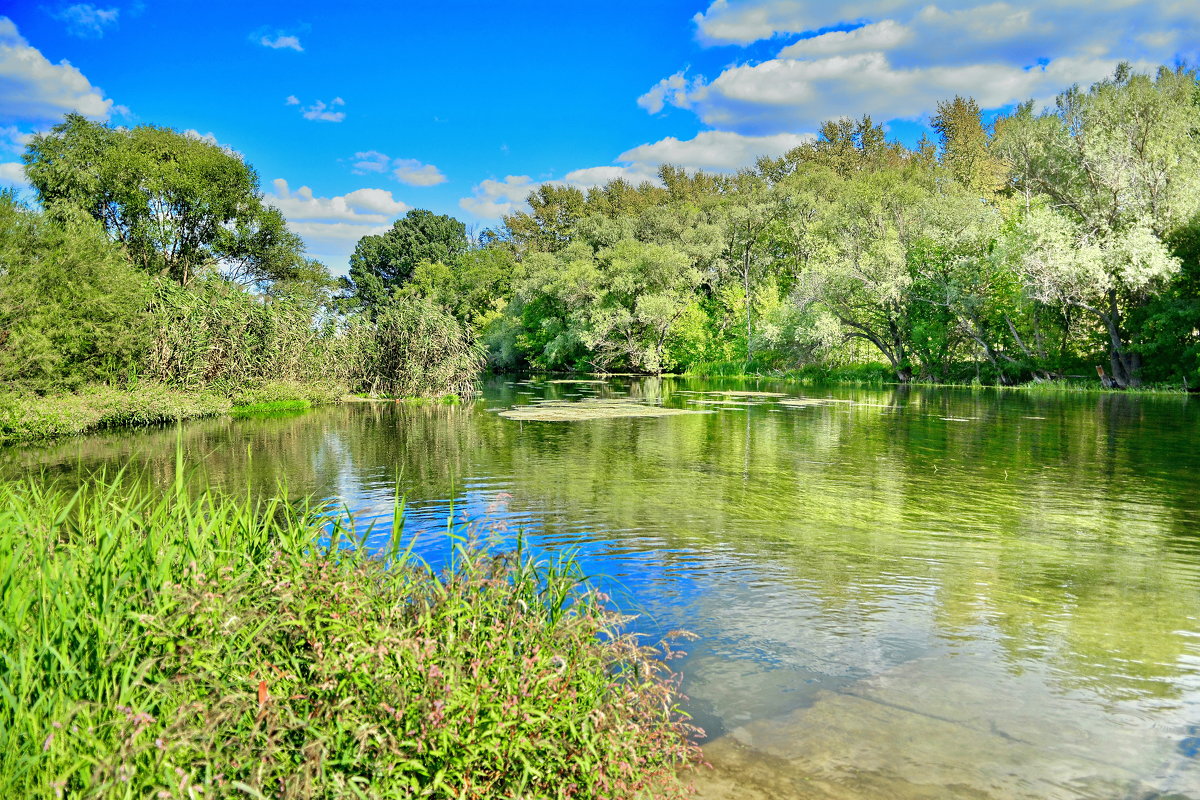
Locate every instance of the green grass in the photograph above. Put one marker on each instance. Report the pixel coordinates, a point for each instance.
(186, 646)
(26, 417)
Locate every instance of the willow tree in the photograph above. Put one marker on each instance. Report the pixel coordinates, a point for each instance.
(1121, 162)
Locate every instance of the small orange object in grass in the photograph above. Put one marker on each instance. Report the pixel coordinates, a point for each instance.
(262, 694)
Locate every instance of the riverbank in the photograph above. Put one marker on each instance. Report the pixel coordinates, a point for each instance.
(29, 417)
(201, 646)
(882, 375)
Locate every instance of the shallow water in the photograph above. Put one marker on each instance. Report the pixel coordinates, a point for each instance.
(904, 593)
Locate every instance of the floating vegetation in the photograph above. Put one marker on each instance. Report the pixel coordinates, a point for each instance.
(723, 403)
(573, 380)
(803, 402)
(748, 394)
(590, 409)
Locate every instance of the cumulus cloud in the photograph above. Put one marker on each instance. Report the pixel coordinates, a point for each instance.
(491, 199)
(281, 42)
(897, 58)
(13, 139)
(33, 88)
(331, 226)
(406, 170)
(886, 35)
(359, 206)
(86, 20)
(320, 111)
(12, 173)
(713, 150)
(414, 173)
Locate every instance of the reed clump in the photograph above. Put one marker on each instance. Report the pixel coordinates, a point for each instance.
(193, 646)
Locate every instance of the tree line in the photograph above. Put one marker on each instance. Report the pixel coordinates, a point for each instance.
(1036, 247)
(1039, 246)
(152, 257)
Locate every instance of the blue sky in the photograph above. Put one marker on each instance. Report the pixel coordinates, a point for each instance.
(354, 112)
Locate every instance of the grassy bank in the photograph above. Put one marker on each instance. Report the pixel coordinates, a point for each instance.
(199, 647)
(881, 374)
(28, 417)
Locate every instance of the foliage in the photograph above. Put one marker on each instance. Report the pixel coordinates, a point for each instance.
(413, 348)
(177, 204)
(72, 309)
(214, 333)
(193, 646)
(1029, 251)
(26, 417)
(380, 264)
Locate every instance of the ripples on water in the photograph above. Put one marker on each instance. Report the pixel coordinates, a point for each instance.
(917, 593)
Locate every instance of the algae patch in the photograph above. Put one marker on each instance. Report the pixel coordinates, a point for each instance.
(589, 409)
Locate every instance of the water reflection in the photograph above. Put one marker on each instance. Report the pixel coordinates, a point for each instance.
(916, 593)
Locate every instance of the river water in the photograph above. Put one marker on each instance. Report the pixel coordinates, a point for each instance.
(898, 593)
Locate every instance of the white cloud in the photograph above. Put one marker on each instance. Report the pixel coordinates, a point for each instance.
(897, 58)
(371, 161)
(492, 199)
(331, 226)
(886, 35)
(13, 174)
(360, 206)
(406, 170)
(32, 88)
(320, 111)
(673, 90)
(713, 150)
(86, 20)
(282, 42)
(13, 139)
(414, 173)
(292, 100)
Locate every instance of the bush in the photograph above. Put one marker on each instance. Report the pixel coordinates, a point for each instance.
(206, 647)
(72, 308)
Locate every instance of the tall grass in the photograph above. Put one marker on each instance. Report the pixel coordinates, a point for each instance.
(193, 646)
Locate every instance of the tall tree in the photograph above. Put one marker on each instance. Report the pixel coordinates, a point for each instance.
(383, 263)
(965, 146)
(1122, 161)
(175, 203)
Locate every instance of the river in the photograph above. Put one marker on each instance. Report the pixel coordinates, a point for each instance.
(898, 593)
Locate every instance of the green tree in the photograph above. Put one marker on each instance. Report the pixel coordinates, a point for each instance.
(175, 203)
(383, 263)
(966, 151)
(1121, 161)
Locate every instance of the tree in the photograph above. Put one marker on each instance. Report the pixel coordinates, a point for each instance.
(965, 146)
(175, 203)
(1121, 161)
(383, 263)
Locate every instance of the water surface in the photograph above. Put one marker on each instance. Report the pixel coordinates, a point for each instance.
(905, 593)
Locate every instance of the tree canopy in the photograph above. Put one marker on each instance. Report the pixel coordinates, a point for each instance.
(380, 264)
(177, 204)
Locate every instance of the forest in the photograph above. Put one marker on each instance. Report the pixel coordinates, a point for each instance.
(1037, 247)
